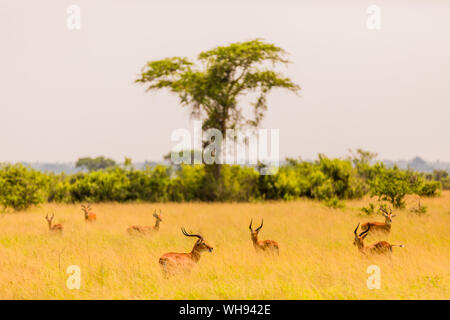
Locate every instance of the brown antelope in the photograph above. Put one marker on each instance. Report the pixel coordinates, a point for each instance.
(88, 214)
(147, 229)
(384, 227)
(55, 227)
(268, 246)
(172, 262)
(381, 247)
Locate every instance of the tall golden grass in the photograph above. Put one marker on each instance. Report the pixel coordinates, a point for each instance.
(317, 259)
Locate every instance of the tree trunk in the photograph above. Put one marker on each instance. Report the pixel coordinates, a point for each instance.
(217, 168)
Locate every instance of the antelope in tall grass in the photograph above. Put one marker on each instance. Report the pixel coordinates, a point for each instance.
(268, 246)
(381, 247)
(88, 214)
(147, 229)
(172, 262)
(384, 227)
(55, 227)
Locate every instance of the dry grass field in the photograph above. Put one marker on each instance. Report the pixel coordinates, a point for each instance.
(317, 259)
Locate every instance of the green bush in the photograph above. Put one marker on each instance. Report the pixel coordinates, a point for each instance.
(390, 184)
(445, 183)
(429, 189)
(442, 176)
(121, 185)
(21, 187)
(240, 184)
(369, 210)
(188, 183)
(59, 189)
(334, 203)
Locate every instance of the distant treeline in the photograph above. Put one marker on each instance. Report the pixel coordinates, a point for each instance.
(416, 164)
(325, 179)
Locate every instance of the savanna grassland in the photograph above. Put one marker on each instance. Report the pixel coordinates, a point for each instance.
(317, 259)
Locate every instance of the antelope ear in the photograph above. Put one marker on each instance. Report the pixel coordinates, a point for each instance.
(394, 215)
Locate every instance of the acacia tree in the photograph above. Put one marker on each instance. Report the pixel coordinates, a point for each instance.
(213, 84)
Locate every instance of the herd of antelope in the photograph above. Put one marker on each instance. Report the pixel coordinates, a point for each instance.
(173, 262)
(381, 247)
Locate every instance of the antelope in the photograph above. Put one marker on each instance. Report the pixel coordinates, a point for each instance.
(88, 215)
(147, 229)
(384, 227)
(55, 227)
(381, 247)
(171, 262)
(268, 246)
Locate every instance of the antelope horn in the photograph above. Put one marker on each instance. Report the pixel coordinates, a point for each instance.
(191, 235)
(364, 232)
(384, 210)
(250, 226)
(356, 229)
(262, 222)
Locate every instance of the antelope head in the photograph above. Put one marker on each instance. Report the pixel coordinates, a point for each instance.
(200, 245)
(254, 233)
(49, 220)
(157, 215)
(86, 209)
(359, 239)
(387, 215)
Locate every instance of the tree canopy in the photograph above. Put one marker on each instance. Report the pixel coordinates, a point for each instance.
(213, 85)
(93, 164)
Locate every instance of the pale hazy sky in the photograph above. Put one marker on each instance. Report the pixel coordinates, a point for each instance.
(66, 94)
